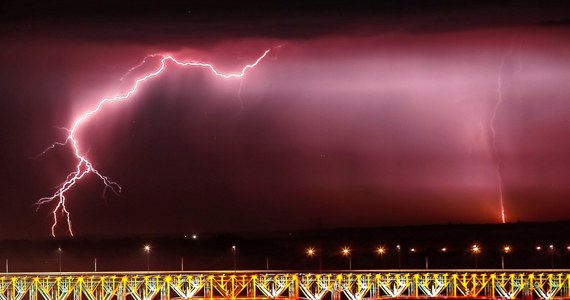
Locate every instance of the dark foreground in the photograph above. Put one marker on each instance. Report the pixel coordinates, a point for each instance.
(420, 247)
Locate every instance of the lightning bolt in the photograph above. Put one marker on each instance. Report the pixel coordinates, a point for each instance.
(498, 170)
(84, 166)
(495, 150)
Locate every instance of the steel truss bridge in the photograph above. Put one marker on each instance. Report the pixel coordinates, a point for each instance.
(330, 285)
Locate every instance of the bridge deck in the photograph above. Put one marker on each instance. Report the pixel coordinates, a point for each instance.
(329, 285)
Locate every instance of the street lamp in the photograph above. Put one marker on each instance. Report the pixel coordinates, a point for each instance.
(380, 251)
(346, 252)
(312, 252)
(476, 249)
(59, 257)
(147, 250)
(399, 257)
(234, 257)
(506, 250)
(551, 248)
(443, 251)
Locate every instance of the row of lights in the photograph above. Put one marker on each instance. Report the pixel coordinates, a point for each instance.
(345, 251)
(475, 249)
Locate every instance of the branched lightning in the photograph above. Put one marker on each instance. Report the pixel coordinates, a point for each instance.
(84, 166)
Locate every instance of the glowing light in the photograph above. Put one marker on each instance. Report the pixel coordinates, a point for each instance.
(507, 249)
(476, 249)
(538, 248)
(345, 251)
(380, 250)
(443, 249)
(146, 248)
(84, 166)
(311, 252)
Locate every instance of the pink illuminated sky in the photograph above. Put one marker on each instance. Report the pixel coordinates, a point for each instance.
(379, 118)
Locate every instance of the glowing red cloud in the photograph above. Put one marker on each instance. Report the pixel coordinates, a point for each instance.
(84, 166)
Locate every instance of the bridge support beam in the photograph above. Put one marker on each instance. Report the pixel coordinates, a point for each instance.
(294, 288)
(208, 289)
(524, 285)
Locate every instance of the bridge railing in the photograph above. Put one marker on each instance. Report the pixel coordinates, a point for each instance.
(334, 285)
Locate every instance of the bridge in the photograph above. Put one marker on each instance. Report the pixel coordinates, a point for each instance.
(329, 285)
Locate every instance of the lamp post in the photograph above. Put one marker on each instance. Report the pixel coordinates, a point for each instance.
(59, 257)
(234, 257)
(568, 248)
(476, 249)
(346, 252)
(506, 250)
(147, 250)
(399, 257)
(311, 252)
(551, 250)
(443, 250)
(380, 251)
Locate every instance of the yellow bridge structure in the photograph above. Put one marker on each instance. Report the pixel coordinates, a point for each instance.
(329, 285)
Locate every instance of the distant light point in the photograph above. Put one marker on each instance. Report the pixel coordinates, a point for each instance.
(311, 251)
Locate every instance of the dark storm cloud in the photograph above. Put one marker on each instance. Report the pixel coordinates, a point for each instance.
(206, 22)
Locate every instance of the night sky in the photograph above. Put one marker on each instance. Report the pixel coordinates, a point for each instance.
(370, 114)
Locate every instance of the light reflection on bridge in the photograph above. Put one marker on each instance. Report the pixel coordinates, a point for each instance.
(333, 285)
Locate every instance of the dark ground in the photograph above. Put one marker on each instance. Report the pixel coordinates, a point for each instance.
(286, 250)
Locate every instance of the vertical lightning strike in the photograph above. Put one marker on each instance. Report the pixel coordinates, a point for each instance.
(498, 170)
(84, 166)
(495, 150)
